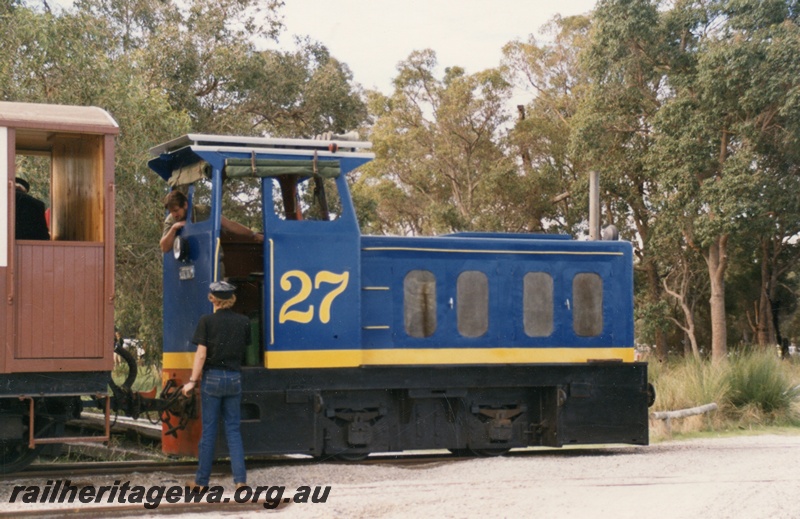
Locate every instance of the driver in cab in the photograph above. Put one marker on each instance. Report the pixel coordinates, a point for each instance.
(178, 206)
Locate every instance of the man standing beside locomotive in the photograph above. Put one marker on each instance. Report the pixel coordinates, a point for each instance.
(178, 206)
(221, 340)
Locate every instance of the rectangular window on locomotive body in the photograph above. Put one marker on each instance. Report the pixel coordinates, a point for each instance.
(419, 303)
(587, 295)
(472, 303)
(537, 304)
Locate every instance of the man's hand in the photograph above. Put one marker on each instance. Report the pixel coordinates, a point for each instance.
(177, 226)
(188, 388)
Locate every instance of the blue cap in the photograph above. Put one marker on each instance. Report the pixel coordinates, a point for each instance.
(222, 289)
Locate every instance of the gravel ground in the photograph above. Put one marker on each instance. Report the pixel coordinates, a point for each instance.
(742, 477)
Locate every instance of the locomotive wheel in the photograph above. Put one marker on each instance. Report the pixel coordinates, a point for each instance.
(489, 453)
(14, 452)
(15, 455)
(351, 456)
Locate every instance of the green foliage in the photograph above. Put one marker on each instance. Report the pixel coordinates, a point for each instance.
(439, 166)
(759, 379)
(148, 377)
(752, 387)
(555, 185)
(689, 110)
(685, 383)
(203, 74)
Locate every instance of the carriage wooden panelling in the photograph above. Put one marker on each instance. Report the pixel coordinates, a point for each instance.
(59, 303)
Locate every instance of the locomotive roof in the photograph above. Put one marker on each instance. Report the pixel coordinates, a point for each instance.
(229, 143)
(65, 118)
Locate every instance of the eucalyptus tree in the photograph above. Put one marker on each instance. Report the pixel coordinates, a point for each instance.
(439, 164)
(624, 61)
(551, 74)
(732, 110)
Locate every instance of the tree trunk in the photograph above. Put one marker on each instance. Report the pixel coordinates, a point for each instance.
(654, 282)
(765, 334)
(717, 262)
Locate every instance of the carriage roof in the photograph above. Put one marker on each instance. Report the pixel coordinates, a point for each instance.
(81, 119)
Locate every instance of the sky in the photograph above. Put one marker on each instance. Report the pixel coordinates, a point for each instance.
(373, 36)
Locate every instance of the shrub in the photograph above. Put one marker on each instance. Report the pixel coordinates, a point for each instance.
(760, 380)
(752, 388)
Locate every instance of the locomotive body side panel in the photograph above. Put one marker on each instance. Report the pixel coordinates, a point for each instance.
(501, 267)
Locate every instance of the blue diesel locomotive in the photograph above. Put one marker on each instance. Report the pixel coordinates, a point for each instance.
(472, 342)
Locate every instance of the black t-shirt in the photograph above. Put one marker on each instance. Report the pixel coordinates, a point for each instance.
(30, 221)
(226, 334)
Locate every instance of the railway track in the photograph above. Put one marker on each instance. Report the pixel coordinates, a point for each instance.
(229, 500)
(170, 478)
(123, 468)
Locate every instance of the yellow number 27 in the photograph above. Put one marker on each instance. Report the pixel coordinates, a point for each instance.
(305, 316)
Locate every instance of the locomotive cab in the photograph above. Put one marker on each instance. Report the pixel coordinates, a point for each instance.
(287, 189)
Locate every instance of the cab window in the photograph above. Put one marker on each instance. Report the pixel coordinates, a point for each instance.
(306, 198)
(200, 200)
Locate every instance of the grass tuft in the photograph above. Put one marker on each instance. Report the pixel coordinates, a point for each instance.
(753, 389)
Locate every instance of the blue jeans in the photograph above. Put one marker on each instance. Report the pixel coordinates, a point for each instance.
(221, 396)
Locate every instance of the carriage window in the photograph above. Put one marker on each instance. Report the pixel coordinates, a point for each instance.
(419, 303)
(65, 172)
(537, 304)
(297, 198)
(32, 218)
(587, 299)
(472, 304)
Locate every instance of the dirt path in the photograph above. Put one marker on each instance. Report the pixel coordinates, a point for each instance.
(744, 477)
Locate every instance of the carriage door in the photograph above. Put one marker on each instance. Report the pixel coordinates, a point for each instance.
(62, 294)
